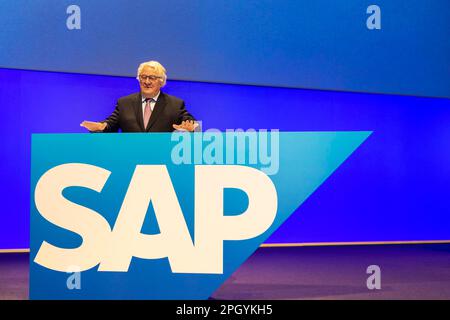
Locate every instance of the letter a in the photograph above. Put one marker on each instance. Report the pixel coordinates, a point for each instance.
(374, 21)
(74, 20)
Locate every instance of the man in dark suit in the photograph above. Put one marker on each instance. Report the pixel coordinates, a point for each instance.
(150, 110)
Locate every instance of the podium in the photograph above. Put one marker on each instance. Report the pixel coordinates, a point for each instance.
(165, 215)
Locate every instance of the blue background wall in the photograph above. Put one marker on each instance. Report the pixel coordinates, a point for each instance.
(394, 187)
(320, 44)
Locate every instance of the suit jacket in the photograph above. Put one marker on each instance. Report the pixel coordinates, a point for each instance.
(128, 116)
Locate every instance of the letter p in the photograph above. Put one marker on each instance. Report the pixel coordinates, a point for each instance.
(212, 227)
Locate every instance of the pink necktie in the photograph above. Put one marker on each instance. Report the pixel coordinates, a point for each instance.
(147, 112)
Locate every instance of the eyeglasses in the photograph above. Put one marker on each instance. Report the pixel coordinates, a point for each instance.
(143, 77)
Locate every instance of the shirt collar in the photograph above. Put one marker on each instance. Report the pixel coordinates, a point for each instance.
(154, 98)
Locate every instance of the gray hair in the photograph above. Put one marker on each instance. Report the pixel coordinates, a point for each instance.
(155, 66)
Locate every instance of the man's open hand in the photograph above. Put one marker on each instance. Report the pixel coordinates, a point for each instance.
(188, 125)
(93, 126)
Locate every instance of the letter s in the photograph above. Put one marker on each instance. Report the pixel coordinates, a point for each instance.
(89, 224)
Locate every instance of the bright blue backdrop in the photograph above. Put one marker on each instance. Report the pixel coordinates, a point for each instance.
(394, 187)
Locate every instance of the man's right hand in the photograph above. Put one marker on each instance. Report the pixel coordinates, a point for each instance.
(93, 126)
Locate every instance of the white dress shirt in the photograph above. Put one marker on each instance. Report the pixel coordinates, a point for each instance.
(152, 104)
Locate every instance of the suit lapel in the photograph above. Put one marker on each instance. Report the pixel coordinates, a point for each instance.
(157, 110)
(138, 111)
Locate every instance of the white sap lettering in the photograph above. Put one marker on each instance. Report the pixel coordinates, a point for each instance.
(212, 227)
(151, 183)
(90, 225)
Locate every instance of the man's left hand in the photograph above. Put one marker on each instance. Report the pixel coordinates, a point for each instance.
(188, 125)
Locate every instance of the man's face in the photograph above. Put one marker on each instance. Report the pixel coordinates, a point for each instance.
(150, 82)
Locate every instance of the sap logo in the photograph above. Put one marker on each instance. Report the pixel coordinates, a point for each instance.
(114, 248)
